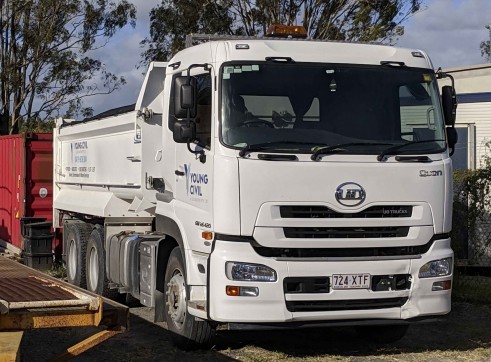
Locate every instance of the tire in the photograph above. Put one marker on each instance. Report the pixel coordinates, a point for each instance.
(382, 334)
(96, 277)
(187, 332)
(78, 233)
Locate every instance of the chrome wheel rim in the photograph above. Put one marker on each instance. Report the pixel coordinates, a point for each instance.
(176, 299)
(93, 269)
(72, 259)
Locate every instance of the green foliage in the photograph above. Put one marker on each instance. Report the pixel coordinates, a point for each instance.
(45, 56)
(37, 126)
(486, 46)
(346, 20)
(486, 50)
(179, 18)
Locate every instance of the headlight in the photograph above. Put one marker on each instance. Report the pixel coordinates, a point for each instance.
(436, 268)
(249, 272)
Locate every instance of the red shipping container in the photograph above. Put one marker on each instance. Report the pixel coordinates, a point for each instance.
(26, 183)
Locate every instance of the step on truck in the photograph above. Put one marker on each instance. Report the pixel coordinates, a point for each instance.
(267, 182)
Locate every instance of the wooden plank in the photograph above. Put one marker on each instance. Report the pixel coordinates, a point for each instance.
(86, 344)
(45, 318)
(9, 346)
(8, 248)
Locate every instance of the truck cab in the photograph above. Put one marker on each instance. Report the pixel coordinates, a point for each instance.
(272, 182)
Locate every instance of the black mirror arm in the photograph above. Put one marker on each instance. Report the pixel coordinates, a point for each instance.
(199, 153)
(440, 75)
(452, 139)
(451, 147)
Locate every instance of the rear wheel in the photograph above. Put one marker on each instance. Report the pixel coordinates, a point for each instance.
(95, 265)
(382, 334)
(78, 233)
(187, 332)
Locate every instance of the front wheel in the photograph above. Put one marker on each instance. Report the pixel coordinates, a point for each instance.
(382, 334)
(188, 333)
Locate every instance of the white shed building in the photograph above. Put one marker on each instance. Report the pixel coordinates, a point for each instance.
(473, 87)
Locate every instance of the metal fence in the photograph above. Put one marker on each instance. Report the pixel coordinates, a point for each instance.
(471, 236)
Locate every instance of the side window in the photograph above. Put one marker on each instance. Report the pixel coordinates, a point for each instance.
(203, 118)
(172, 119)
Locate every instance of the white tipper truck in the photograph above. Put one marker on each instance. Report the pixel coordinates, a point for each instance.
(267, 182)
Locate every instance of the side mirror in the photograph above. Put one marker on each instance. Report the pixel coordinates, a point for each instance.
(184, 132)
(449, 102)
(185, 97)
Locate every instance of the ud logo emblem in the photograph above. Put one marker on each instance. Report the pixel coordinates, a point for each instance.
(350, 194)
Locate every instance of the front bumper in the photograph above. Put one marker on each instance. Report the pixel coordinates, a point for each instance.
(270, 306)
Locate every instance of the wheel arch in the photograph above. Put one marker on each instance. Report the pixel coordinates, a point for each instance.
(170, 229)
(173, 238)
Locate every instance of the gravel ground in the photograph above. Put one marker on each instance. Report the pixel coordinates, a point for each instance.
(464, 336)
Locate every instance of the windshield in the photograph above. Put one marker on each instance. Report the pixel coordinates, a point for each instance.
(298, 107)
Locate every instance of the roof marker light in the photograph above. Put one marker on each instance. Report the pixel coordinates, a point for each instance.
(241, 46)
(417, 54)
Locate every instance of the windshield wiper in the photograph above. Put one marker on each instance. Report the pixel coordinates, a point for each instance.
(271, 146)
(394, 150)
(329, 150)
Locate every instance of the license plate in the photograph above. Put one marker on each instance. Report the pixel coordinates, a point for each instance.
(350, 281)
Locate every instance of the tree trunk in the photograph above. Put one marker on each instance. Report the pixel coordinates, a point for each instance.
(4, 123)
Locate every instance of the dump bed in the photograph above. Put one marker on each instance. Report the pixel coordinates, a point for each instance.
(105, 166)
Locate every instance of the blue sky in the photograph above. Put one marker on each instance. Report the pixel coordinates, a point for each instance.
(450, 31)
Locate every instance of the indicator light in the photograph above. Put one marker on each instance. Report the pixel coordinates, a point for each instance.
(442, 285)
(232, 291)
(236, 291)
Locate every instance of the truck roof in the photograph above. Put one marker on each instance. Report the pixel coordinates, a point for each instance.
(248, 49)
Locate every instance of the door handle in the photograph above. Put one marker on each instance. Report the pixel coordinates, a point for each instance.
(133, 158)
(179, 173)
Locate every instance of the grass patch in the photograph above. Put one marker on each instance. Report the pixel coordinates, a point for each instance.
(57, 271)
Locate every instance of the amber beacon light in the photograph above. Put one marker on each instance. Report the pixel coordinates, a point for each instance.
(286, 31)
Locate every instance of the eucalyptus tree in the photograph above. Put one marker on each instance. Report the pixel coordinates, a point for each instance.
(486, 46)
(346, 20)
(46, 56)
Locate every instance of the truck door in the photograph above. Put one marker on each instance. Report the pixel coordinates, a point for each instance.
(194, 174)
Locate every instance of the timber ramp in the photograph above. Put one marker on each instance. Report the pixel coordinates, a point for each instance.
(30, 299)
